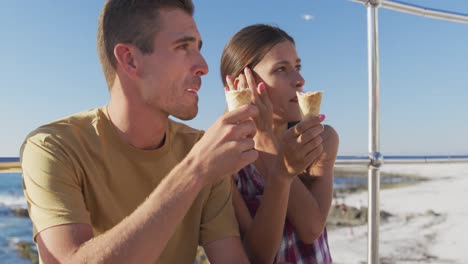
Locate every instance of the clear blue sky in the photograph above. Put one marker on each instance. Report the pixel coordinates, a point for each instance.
(50, 68)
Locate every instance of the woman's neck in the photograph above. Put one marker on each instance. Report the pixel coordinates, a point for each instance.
(279, 127)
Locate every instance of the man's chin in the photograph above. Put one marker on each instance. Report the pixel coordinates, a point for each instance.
(186, 116)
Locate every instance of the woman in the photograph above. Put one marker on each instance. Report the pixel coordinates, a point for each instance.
(282, 200)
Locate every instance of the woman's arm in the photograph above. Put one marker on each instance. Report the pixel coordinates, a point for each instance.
(262, 234)
(310, 199)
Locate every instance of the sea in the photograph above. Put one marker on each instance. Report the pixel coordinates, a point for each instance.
(14, 229)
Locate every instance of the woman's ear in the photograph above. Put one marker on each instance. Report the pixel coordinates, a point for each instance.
(236, 82)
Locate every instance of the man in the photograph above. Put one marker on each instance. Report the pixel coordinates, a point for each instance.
(125, 184)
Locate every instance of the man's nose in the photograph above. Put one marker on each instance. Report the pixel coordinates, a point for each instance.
(201, 67)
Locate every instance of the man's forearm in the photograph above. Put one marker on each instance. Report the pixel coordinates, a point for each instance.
(142, 236)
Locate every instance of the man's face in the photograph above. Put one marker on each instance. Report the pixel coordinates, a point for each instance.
(171, 75)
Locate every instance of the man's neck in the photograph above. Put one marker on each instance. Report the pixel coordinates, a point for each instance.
(136, 123)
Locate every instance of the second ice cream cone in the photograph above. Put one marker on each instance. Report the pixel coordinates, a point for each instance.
(309, 103)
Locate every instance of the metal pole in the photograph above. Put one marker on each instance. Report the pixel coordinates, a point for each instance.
(374, 133)
(364, 160)
(420, 10)
(425, 12)
(376, 158)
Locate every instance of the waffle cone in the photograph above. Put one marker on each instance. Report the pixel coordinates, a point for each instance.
(238, 98)
(309, 103)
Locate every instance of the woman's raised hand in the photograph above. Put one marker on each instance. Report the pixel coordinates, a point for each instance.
(265, 142)
(260, 98)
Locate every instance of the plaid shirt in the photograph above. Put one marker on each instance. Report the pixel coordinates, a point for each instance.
(292, 250)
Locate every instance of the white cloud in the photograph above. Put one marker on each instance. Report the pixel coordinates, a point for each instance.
(307, 17)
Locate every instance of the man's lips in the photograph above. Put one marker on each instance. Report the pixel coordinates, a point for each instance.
(193, 91)
(196, 84)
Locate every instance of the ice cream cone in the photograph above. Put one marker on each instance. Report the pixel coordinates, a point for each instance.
(238, 98)
(309, 103)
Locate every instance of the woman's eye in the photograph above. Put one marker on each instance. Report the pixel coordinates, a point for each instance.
(281, 69)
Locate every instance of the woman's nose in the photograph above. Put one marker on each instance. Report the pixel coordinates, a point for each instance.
(299, 82)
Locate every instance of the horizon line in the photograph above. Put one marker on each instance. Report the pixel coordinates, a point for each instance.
(339, 157)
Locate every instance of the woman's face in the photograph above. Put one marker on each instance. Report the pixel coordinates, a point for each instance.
(279, 70)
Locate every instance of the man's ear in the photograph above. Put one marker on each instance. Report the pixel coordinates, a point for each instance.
(127, 59)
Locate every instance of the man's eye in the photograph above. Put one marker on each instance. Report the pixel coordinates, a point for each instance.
(183, 46)
(298, 67)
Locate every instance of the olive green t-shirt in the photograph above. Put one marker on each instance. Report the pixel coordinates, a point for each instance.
(78, 170)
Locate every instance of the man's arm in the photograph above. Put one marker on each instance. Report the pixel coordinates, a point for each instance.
(141, 237)
(66, 239)
(228, 250)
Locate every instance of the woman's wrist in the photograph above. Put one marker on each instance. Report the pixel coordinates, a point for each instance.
(266, 141)
(279, 175)
(279, 179)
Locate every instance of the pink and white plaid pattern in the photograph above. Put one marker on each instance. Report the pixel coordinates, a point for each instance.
(292, 250)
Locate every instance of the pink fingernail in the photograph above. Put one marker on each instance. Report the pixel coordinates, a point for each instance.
(228, 77)
(247, 69)
(262, 87)
(226, 89)
(322, 117)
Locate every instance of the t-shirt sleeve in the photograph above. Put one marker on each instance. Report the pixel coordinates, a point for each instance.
(51, 185)
(218, 217)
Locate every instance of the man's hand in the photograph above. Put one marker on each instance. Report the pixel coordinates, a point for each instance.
(227, 145)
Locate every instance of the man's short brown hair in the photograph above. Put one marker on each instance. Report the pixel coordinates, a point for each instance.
(132, 22)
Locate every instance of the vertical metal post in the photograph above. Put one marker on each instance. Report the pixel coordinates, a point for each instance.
(374, 133)
(376, 158)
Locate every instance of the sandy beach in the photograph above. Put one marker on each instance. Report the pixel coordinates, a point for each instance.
(424, 220)
(427, 222)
